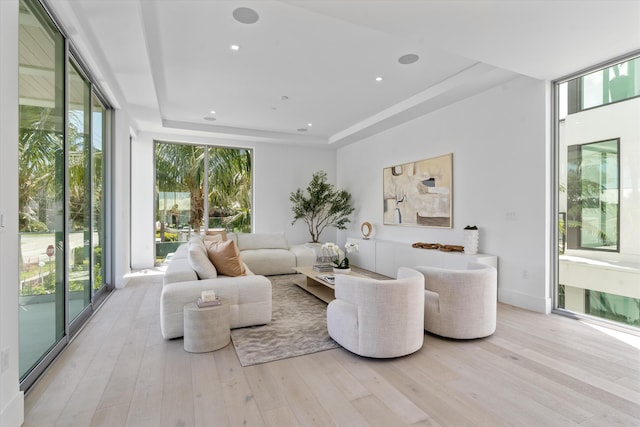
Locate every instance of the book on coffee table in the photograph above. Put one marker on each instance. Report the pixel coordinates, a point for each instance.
(329, 278)
(323, 267)
(202, 304)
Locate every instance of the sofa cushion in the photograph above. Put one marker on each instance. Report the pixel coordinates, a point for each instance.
(199, 260)
(226, 258)
(262, 241)
(267, 262)
(179, 270)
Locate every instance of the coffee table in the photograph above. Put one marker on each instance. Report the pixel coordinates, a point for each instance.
(316, 286)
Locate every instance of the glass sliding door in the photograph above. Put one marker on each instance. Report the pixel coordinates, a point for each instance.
(98, 224)
(598, 152)
(41, 186)
(79, 173)
(61, 163)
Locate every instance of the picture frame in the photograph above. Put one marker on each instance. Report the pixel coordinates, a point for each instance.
(420, 193)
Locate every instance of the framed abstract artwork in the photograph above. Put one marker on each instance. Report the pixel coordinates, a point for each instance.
(419, 194)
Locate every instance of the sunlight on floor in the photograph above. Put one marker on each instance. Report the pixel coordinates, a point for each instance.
(632, 340)
(155, 271)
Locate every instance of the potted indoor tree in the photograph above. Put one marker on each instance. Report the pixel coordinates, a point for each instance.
(323, 206)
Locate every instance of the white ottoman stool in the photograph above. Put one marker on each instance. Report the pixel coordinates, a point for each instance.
(206, 329)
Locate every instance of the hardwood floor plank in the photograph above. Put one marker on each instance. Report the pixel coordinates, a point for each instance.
(434, 395)
(115, 415)
(279, 417)
(242, 409)
(341, 377)
(146, 399)
(302, 401)
(376, 412)
(177, 396)
(535, 370)
(365, 372)
(267, 389)
(209, 401)
(330, 397)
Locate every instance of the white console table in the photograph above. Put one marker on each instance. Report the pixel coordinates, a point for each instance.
(385, 256)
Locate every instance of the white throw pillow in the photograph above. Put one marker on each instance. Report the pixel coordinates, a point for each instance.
(199, 260)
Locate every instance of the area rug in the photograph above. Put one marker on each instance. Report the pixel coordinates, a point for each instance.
(298, 326)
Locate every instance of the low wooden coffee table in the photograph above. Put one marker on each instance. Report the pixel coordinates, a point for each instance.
(317, 286)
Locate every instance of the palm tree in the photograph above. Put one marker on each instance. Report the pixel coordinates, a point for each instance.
(230, 186)
(39, 147)
(181, 168)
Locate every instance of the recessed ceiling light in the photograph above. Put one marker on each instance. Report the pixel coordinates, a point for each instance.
(209, 118)
(378, 79)
(212, 112)
(309, 124)
(409, 58)
(245, 15)
(235, 47)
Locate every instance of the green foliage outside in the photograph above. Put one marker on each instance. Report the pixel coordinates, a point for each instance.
(180, 170)
(168, 237)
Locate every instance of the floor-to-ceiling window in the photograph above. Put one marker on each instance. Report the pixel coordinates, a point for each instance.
(598, 164)
(41, 180)
(194, 183)
(63, 132)
(79, 155)
(99, 135)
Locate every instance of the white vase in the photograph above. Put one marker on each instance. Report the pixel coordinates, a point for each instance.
(341, 270)
(471, 240)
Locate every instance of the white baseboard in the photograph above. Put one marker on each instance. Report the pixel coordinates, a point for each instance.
(12, 415)
(526, 301)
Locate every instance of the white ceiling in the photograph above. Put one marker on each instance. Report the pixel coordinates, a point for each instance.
(168, 62)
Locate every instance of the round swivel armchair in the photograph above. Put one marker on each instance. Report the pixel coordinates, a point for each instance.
(460, 304)
(378, 318)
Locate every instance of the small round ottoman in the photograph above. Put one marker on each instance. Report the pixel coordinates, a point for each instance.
(207, 328)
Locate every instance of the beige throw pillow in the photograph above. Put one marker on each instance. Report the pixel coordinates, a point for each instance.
(225, 256)
(216, 232)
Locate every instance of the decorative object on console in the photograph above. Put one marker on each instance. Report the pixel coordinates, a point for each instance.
(438, 246)
(341, 265)
(419, 193)
(366, 230)
(325, 206)
(471, 239)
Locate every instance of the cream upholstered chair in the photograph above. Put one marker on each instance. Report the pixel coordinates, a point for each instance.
(460, 303)
(378, 318)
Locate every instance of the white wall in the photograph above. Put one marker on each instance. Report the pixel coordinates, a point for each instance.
(279, 169)
(499, 140)
(11, 398)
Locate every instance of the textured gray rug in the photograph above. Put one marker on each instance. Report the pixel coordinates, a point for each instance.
(298, 326)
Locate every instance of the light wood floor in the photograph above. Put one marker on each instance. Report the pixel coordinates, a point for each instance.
(535, 370)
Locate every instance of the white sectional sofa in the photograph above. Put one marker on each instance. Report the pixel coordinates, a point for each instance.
(270, 253)
(249, 296)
